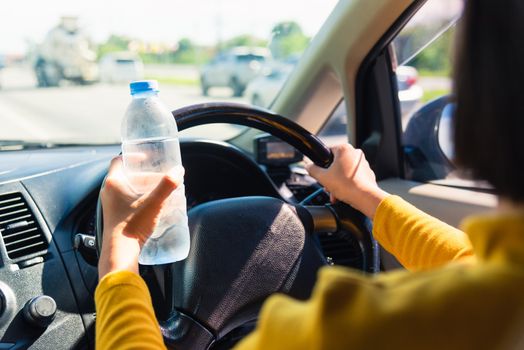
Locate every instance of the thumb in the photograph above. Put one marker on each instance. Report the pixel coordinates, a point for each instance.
(145, 218)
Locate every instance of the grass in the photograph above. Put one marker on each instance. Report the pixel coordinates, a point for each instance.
(175, 80)
(433, 94)
(434, 73)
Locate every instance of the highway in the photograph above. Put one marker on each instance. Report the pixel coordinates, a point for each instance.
(92, 113)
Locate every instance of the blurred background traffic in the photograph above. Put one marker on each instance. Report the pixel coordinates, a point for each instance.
(56, 82)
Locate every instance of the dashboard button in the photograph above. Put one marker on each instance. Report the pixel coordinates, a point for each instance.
(40, 311)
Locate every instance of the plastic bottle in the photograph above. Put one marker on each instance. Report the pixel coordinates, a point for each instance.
(151, 149)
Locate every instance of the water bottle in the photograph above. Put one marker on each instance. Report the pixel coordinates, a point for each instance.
(150, 149)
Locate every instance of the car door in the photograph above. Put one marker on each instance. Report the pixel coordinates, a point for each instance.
(430, 180)
(360, 69)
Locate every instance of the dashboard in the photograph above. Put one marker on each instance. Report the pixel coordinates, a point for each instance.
(48, 196)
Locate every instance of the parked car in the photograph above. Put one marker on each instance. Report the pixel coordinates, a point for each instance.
(263, 89)
(234, 68)
(409, 91)
(121, 67)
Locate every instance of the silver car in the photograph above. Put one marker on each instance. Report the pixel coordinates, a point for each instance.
(234, 68)
(262, 90)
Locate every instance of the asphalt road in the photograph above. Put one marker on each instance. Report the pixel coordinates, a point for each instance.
(84, 113)
(72, 113)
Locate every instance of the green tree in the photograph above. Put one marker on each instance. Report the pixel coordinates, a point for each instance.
(287, 39)
(244, 40)
(187, 52)
(436, 58)
(113, 44)
(185, 45)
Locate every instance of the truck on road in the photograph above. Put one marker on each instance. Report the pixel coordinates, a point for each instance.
(65, 54)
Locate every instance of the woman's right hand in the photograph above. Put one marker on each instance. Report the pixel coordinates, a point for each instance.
(350, 180)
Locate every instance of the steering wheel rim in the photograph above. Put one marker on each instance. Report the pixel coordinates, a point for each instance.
(257, 118)
(183, 327)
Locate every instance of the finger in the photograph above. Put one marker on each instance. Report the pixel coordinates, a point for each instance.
(143, 222)
(339, 149)
(332, 198)
(116, 178)
(314, 170)
(114, 174)
(136, 156)
(153, 201)
(115, 166)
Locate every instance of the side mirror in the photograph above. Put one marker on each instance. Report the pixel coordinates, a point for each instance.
(445, 131)
(428, 143)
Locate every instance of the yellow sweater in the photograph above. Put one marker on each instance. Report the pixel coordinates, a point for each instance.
(458, 306)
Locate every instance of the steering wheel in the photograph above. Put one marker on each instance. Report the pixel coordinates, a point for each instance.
(245, 249)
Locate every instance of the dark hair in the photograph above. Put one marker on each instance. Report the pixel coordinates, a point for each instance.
(489, 91)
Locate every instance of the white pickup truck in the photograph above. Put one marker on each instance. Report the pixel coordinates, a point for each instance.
(234, 68)
(65, 54)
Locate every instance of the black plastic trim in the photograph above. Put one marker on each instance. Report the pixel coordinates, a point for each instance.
(366, 128)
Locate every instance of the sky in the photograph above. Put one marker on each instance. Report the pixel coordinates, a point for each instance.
(165, 21)
(435, 10)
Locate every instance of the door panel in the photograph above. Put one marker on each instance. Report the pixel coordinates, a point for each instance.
(448, 204)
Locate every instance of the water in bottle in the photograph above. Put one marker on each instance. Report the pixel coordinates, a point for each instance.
(151, 149)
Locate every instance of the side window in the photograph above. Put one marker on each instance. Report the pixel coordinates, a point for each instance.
(422, 62)
(335, 131)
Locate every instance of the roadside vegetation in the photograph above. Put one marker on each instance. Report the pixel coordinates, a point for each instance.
(285, 40)
(435, 62)
(173, 80)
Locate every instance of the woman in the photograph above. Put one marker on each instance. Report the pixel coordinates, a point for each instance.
(465, 289)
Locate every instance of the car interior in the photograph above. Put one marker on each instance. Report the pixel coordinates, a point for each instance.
(259, 223)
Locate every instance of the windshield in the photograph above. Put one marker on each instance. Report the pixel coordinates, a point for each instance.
(65, 66)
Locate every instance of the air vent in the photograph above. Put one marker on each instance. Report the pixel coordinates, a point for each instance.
(20, 231)
(341, 251)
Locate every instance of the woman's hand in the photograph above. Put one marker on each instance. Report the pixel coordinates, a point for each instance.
(129, 219)
(350, 179)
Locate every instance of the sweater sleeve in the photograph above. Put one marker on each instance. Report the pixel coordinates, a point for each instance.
(430, 310)
(125, 317)
(418, 240)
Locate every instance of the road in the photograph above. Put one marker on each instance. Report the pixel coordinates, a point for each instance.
(94, 113)
(84, 113)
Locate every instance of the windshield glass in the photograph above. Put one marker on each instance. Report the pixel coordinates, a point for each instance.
(65, 66)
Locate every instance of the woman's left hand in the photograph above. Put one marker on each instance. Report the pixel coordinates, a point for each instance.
(129, 219)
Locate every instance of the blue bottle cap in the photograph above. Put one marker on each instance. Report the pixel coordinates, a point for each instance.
(143, 86)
